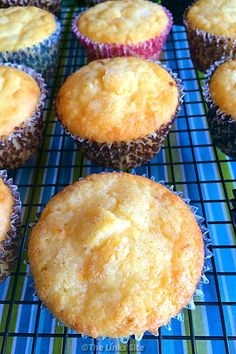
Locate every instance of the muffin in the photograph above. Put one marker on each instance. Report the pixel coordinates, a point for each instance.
(53, 6)
(211, 31)
(10, 218)
(30, 36)
(125, 258)
(22, 98)
(119, 110)
(220, 94)
(109, 29)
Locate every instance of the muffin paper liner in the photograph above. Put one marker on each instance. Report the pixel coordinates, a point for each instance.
(203, 280)
(221, 125)
(149, 49)
(23, 142)
(53, 6)
(42, 57)
(9, 248)
(123, 155)
(206, 48)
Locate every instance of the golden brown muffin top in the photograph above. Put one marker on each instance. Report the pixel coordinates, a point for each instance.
(117, 99)
(19, 97)
(223, 87)
(116, 254)
(6, 209)
(214, 16)
(123, 22)
(24, 26)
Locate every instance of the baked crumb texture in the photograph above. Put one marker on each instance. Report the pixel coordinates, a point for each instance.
(216, 17)
(10, 220)
(117, 22)
(6, 209)
(223, 88)
(22, 99)
(30, 36)
(23, 27)
(119, 111)
(211, 31)
(219, 90)
(116, 254)
(109, 29)
(117, 99)
(19, 97)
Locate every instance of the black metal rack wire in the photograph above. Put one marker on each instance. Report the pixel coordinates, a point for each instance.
(188, 161)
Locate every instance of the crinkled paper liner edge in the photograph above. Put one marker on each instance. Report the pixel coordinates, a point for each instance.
(24, 141)
(123, 155)
(10, 246)
(203, 280)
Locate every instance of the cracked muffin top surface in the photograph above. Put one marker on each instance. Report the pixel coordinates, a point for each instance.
(116, 254)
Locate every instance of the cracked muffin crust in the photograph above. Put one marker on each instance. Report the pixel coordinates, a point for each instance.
(19, 97)
(117, 22)
(214, 16)
(117, 99)
(116, 254)
(24, 26)
(222, 87)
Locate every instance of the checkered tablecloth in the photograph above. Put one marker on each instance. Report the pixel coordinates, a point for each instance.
(190, 162)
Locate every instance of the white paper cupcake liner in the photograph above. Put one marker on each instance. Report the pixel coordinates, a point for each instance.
(126, 155)
(9, 248)
(149, 49)
(203, 280)
(221, 125)
(42, 57)
(206, 48)
(23, 142)
(53, 6)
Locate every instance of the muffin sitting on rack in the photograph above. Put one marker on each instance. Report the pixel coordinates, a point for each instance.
(119, 111)
(220, 94)
(125, 248)
(123, 28)
(211, 31)
(10, 219)
(30, 36)
(22, 98)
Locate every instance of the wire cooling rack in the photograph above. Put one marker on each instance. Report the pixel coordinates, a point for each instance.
(190, 162)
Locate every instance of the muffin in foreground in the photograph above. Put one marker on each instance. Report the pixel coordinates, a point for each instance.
(53, 6)
(220, 94)
(123, 28)
(10, 219)
(126, 257)
(22, 98)
(120, 110)
(30, 36)
(211, 31)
